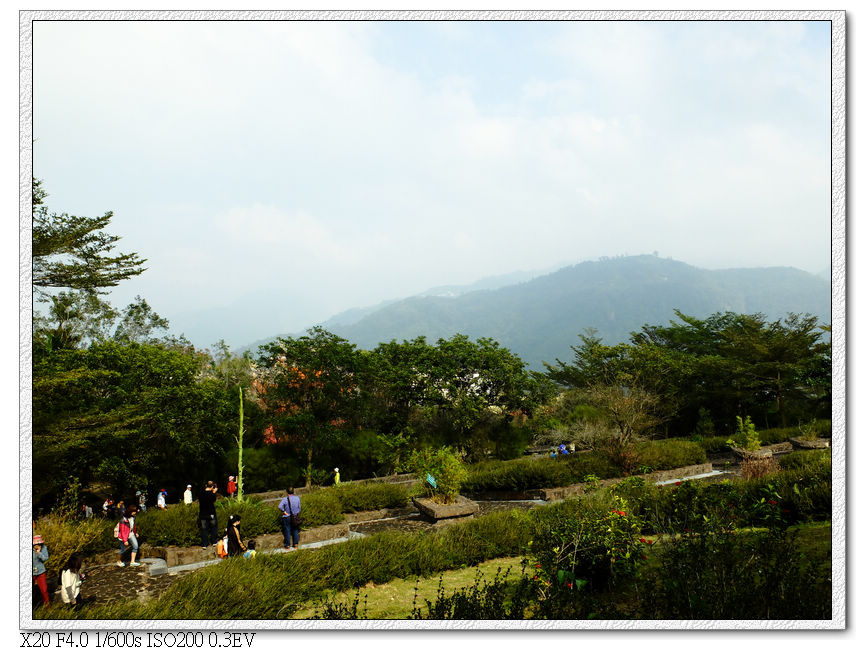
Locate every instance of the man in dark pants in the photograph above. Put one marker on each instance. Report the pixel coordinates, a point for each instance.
(290, 508)
(207, 514)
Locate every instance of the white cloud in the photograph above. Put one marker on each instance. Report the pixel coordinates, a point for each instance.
(295, 149)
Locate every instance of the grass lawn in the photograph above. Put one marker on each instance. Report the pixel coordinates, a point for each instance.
(394, 599)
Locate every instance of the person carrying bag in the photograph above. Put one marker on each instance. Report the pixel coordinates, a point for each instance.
(291, 520)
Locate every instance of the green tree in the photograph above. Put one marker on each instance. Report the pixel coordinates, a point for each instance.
(127, 415)
(74, 252)
(138, 323)
(310, 388)
(73, 318)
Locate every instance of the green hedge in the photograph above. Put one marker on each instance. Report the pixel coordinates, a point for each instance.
(800, 494)
(533, 474)
(357, 497)
(178, 525)
(804, 458)
(669, 454)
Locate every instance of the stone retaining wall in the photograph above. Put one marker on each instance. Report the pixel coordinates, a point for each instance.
(178, 555)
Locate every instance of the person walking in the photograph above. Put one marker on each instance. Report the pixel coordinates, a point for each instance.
(40, 557)
(187, 495)
(290, 508)
(207, 514)
(232, 487)
(336, 475)
(108, 508)
(127, 535)
(142, 500)
(160, 500)
(232, 532)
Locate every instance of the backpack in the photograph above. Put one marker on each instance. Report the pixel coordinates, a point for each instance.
(117, 530)
(221, 547)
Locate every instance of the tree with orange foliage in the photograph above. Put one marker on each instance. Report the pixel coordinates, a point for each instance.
(309, 390)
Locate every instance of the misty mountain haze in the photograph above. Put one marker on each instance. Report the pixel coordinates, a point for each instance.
(539, 318)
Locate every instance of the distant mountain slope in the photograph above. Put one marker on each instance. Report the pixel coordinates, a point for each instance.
(540, 319)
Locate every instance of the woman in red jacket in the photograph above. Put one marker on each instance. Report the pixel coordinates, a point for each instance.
(128, 536)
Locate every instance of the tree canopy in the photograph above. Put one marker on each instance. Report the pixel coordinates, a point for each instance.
(74, 252)
(728, 364)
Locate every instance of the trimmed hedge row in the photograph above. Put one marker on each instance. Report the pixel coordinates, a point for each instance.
(178, 525)
(532, 474)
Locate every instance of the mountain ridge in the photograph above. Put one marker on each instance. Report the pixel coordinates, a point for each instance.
(539, 319)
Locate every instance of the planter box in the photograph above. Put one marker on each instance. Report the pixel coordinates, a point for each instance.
(461, 507)
(818, 443)
(763, 452)
(745, 454)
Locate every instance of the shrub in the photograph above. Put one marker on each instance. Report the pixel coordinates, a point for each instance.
(65, 536)
(178, 525)
(805, 458)
(445, 466)
(670, 453)
(532, 474)
(356, 497)
(714, 444)
(746, 435)
(721, 575)
(321, 507)
(758, 467)
(775, 435)
(589, 550)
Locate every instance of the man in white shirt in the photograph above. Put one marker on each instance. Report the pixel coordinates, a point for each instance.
(187, 496)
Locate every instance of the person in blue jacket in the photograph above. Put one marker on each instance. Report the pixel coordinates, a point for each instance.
(40, 557)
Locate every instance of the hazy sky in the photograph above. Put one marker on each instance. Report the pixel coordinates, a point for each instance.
(276, 173)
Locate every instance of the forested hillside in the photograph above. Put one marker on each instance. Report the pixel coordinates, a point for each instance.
(539, 320)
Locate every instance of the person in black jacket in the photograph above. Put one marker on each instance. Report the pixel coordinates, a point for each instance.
(232, 532)
(207, 514)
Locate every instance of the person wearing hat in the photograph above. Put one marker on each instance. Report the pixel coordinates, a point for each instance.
(160, 500)
(40, 557)
(187, 496)
(232, 487)
(336, 475)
